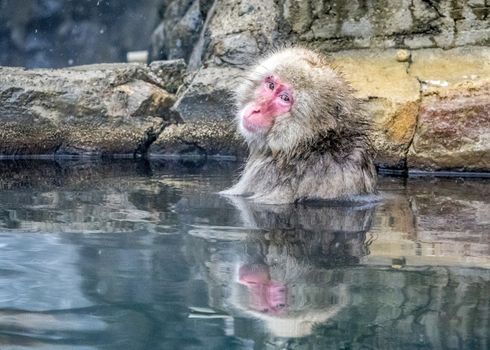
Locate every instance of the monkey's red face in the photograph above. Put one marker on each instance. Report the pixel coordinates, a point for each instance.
(267, 296)
(273, 99)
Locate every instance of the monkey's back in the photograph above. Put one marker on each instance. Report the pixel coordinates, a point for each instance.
(313, 176)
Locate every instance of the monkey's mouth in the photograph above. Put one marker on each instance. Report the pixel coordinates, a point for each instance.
(254, 128)
(268, 297)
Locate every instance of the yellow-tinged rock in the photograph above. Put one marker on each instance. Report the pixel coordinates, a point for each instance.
(444, 68)
(403, 55)
(391, 98)
(375, 74)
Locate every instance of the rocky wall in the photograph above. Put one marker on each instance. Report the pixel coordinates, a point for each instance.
(421, 67)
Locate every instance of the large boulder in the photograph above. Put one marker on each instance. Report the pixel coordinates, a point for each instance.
(179, 28)
(235, 35)
(100, 109)
(391, 97)
(453, 129)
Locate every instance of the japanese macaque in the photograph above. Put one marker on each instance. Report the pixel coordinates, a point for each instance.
(306, 132)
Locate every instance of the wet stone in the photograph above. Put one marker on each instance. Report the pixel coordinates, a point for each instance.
(100, 109)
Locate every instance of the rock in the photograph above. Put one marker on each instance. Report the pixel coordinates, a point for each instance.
(472, 24)
(209, 95)
(443, 68)
(207, 138)
(391, 98)
(236, 49)
(453, 129)
(239, 32)
(233, 38)
(101, 109)
(206, 103)
(171, 73)
(402, 56)
(179, 29)
(340, 25)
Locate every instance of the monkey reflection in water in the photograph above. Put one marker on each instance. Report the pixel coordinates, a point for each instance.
(287, 273)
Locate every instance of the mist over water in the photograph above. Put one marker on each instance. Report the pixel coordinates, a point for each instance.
(145, 255)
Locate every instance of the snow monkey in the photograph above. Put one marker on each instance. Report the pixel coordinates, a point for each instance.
(306, 132)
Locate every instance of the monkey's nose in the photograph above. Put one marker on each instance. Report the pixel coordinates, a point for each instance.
(252, 112)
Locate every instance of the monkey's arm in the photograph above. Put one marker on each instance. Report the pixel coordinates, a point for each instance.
(246, 186)
(233, 191)
(241, 188)
(279, 195)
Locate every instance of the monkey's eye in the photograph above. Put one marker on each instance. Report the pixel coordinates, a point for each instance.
(271, 85)
(284, 97)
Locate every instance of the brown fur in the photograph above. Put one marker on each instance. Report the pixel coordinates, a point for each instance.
(318, 150)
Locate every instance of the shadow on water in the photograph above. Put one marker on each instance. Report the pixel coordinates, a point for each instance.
(146, 255)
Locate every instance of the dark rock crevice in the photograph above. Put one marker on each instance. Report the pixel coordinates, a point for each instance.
(416, 127)
(149, 137)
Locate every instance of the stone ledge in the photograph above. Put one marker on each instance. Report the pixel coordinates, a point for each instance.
(430, 111)
(88, 110)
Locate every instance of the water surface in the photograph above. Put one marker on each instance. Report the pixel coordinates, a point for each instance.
(140, 255)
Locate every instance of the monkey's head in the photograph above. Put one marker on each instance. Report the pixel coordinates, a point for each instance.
(292, 97)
